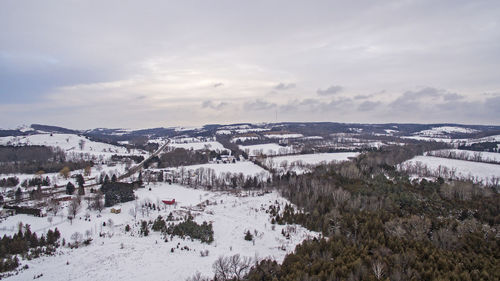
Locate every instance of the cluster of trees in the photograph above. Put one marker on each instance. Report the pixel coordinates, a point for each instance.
(491, 146)
(27, 244)
(117, 192)
(232, 268)
(422, 170)
(377, 225)
(9, 182)
(36, 181)
(187, 228)
(121, 158)
(32, 159)
(182, 157)
(463, 155)
(206, 177)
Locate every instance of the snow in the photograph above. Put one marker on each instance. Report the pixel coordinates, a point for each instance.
(283, 136)
(266, 149)
(459, 169)
(390, 132)
(243, 131)
(247, 168)
(494, 138)
(293, 161)
(70, 143)
(242, 139)
(313, 138)
(480, 156)
(443, 130)
(211, 145)
(223, 132)
(442, 139)
(121, 256)
(183, 129)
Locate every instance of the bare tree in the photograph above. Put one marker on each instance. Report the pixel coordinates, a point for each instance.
(74, 208)
(221, 269)
(378, 269)
(54, 206)
(98, 202)
(134, 210)
(81, 144)
(239, 266)
(231, 268)
(77, 238)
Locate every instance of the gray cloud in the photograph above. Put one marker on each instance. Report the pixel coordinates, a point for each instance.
(426, 96)
(368, 105)
(212, 105)
(332, 90)
(258, 105)
(56, 58)
(283, 86)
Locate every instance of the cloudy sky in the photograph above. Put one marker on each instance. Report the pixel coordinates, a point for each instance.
(133, 64)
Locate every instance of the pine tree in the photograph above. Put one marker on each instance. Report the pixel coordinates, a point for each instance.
(70, 188)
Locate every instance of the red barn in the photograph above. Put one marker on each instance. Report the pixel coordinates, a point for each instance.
(169, 201)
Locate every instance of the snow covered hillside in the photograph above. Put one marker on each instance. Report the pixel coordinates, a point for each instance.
(198, 145)
(469, 155)
(451, 168)
(445, 130)
(129, 256)
(299, 163)
(71, 144)
(266, 149)
(247, 168)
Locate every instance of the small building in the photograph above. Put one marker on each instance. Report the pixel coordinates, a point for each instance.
(170, 201)
(116, 211)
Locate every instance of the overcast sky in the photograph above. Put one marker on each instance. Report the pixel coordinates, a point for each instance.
(132, 64)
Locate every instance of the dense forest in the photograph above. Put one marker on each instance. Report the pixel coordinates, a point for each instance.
(33, 159)
(376, 224)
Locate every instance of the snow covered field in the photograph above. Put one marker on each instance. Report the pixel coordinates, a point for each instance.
(292, 162)
(443, 130)
(455, 168)
(478, 156)
(210, 145)
(242, 139)
(266, 149)
(283, 136)
(127, 256)
(72, 144)
(247, 168)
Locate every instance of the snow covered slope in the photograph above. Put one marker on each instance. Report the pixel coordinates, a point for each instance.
(266, 149)
(127, 256)
(199, 145)
(458, 169)
(293, 162)
(247, 168)
(70, 143)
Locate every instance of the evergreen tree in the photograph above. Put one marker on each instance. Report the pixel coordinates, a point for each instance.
(80, 180)
(70, 188)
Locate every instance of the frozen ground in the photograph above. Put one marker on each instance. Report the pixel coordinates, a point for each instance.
(283, 136)
(443, 130)
(479, 156)
(461, 169)
(71, 144)
(210, 145)
(127, 256)
(297, 163)
(266, 149)
(247, 168)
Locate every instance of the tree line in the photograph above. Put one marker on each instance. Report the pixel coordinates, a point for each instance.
(376, 224)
